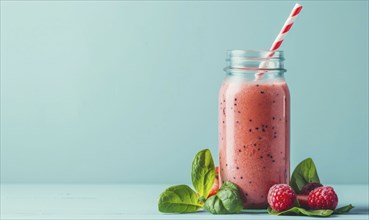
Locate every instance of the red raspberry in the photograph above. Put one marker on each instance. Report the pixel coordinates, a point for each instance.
(323, 197)
(281, 197)
(309, 187)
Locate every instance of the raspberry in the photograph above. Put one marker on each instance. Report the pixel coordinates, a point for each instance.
(281, 197)
(309, 187)
(323, 197)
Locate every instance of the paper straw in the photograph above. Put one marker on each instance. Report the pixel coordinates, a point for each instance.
(279, 39)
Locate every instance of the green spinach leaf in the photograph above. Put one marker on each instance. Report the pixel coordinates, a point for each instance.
(203, 172)
(229, 185)
(343, 209)
(179, 199)
(226, 201)
(301, 211)
(305, 172)
(316, 213)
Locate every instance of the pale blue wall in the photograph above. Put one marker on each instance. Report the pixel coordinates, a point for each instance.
(95, 91)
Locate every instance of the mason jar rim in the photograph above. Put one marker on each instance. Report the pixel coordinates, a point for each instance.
(253, 50)
(253, 60)
(255, 54)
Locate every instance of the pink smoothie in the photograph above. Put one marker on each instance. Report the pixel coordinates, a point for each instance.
(254, 137)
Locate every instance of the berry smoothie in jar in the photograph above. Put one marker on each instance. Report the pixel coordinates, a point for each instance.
(254, 124)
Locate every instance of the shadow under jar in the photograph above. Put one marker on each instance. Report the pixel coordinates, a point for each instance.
(254, 124)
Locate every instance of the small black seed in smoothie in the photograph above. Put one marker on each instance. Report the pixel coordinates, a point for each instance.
(273, 101)
(263, 130)
(273, 118)
(250, 120)
(241, 177)
(226, 164)
(237, 168)
(223, 122)
(257, 128)
(250, 182)
(257, 85)
(235, 99)
(239, 150)
(255, 145)
(261, 157)
(262, 92)
(235, 104)
(234, 178)
(259, 149)
(268, 155)
(250, 130)
(259, 138)
(266, 126)
(237, 122)
(244, 146)
(239, 112)
(246, 194)
(275, 136)
(222, 181)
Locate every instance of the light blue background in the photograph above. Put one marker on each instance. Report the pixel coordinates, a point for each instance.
(126, 92)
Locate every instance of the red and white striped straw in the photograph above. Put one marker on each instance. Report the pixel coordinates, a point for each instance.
(279, 39)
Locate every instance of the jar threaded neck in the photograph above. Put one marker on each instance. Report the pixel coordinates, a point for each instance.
(254, 60)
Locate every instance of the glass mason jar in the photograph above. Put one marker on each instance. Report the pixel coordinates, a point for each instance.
(254, 124)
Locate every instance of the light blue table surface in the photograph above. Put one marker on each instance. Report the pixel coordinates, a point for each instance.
(129, 202)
